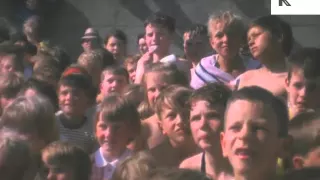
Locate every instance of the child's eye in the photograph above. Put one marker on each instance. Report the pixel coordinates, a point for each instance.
(171, 115)
(235, 128)
(195, 118)
(257, 128)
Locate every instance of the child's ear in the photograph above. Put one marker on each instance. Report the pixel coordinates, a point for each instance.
(297, 162)
(223, 144)
(287, 82)
(160, 126)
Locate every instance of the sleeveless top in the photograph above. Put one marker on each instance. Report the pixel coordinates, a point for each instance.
(208, 72)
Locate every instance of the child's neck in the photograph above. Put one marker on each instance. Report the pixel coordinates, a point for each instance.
(216, 164)
(185, 149)
(274, 63)
(111, 157)
(256, 176)
(227, 64)
(158, 56)
(73, 121)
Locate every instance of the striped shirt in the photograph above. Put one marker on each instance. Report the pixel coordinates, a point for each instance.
(82, 137)
(208, 72)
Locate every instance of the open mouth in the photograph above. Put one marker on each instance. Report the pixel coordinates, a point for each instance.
(244, 153)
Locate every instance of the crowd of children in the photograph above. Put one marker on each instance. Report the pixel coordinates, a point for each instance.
(237, 105)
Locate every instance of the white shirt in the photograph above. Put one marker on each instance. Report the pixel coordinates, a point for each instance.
(109, 167)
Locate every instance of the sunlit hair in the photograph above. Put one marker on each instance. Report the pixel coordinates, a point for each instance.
(134, 167)
(116, 109)
(229, 20)
(15, 155)
(31, 116)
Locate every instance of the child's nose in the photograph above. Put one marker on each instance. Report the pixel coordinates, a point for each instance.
(244, 133)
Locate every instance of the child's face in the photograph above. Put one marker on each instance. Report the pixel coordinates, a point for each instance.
(7, 64)
(154, 85)
(113, 83)
(206, 123)
(195, 47)
(143, 48)
(174, 125)
(116, 47)
(131, 68)
(250, 139)
(56, 172)
(72, 101)
(301, 93)
(113, 137)
(224, 41)
(158, 36)
(260, 41)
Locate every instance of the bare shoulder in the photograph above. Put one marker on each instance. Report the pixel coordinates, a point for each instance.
(193, 162)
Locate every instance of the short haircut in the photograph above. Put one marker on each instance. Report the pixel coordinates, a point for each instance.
(15, 155)
(259, 95)
(232, 22)
(31, 115)
(162, 20)
(41, 87)
(90, 60)
(134, 93)
(115, 70)
(306, 59)
(197, 30)
(175, 97)
(167, 72)
(305, 130)
(78, 81)
(10, 84)
(107, 57)
(216, 94)
(134, 167)
(66, 155)
(175, 174)
(278, 29)
(118, 34)
(140, 36)
(115, 109)
(131, 60)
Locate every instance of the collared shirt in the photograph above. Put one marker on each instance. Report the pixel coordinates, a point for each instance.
(108, 167)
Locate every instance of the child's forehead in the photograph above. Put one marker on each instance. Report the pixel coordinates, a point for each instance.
(243, 109)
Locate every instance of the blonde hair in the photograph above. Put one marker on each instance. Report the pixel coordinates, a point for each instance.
(15, 154)
(31, 115)
(90, 60)
(134, 167)
(229, 20)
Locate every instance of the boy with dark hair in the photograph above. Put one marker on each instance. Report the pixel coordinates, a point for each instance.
(75, 123)
(159, 32)
(303, 81)
(270, 41)
(196, 43)
(255, 130)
